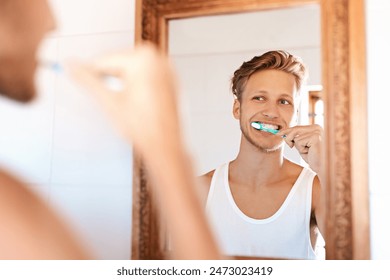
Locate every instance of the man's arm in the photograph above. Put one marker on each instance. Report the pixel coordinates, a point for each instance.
(318, 205)
(145, 112)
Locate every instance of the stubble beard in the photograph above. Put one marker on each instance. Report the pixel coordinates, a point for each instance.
(17, 78)
(261, 148)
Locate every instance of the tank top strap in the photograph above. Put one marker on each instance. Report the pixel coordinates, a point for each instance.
(217, 177)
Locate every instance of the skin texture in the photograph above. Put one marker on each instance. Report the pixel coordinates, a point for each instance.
(260, 177)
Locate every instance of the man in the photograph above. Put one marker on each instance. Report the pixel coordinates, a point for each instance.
(29, 229)
(262, 204)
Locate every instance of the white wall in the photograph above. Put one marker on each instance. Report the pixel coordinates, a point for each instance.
(62, 145)
(207, 50)
(378, 62)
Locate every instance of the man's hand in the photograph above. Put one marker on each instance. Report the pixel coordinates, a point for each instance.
(307, 139)
(144, 109)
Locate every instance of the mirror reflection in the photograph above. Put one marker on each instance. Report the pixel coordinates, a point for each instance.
(206, 52)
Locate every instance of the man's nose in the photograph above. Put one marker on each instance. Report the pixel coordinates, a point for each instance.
(271, 111)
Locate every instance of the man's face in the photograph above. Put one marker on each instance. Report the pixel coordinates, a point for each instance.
(23, 24)
(268, 98)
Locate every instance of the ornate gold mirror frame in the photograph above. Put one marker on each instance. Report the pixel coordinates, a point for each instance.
(344, 83)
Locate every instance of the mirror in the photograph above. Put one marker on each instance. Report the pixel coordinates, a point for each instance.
(343, 76)
(207, 50)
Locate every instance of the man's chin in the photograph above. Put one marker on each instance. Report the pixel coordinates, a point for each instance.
(263, 147)
(17, 82)
(266, 148)
(23, 93)
(272, 149)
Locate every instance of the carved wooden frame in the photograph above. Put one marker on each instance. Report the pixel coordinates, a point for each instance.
(344, 77)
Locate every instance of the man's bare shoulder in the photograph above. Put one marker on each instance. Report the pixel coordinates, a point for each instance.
(43, 236)
(14, 194)
(9, 183)
(293, 169)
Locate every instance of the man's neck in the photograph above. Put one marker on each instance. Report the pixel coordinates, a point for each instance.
(254, 166)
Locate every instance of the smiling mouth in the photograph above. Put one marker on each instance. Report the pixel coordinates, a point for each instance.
(271, 128)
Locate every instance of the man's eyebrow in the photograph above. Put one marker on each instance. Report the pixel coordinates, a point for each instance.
(259, 91)
(266, 92)
(286, 95)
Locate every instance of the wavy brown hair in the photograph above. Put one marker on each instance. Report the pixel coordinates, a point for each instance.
(272, 60)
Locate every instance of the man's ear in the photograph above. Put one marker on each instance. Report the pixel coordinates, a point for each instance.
(236, 109)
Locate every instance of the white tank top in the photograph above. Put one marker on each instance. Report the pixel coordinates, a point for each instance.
(286, 234)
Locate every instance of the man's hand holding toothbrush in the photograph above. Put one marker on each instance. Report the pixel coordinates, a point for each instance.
(308, 140)
(144, 110)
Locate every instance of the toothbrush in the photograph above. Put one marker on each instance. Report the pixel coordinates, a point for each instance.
(53, 66)
(113, 83)
(260, 126)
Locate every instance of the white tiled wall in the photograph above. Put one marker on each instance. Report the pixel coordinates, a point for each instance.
(62, 144)
(83, 17)
(207, 50)
(270, 29)
(378, 61)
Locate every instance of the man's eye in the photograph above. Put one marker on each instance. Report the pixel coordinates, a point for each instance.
(285, 102)
(259, 98)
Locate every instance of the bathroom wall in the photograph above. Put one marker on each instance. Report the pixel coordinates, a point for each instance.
(378, 61)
